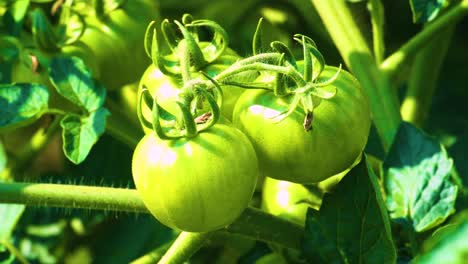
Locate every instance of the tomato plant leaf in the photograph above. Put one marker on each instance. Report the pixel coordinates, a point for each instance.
(417, 179)
(10, 214)
(14, 16)
(21, 103)
(73, 80)
(80, 133)
(426, 10)
(448, 245)
(352, 225)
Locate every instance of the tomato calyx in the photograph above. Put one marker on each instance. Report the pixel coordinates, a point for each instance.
(189, 122)
(179, 36)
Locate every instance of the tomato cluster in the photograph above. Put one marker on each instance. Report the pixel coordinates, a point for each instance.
(299, 122)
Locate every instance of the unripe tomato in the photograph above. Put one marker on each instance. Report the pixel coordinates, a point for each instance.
(340, 128)
(116, 41)
(166, 88)
(196, 184)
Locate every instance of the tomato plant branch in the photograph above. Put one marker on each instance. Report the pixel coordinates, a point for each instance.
(357, 55)
(376, 10)
(253, 223)
(393, 63)
(153, 256)
(423, 78)
(184, 247)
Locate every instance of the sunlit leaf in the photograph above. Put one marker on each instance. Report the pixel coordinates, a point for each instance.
(426, 10)
(447, 246)
(81, 133)
(74, 81)
(22, 103)
(9, 215)
(417, 180)
(352, 225)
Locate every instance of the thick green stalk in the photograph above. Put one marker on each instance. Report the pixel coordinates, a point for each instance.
(357, 55)
(376, 10)
(394, 62)
(184, 247)
(423, 78)
(252, 223)
(71, 196)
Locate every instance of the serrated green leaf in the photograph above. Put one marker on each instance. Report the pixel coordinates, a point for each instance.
(81, 133)
(73, 80)
(426, 10)
(449, 247)
(352, 225)
(417, 179)
(10, 214)
(22, 103)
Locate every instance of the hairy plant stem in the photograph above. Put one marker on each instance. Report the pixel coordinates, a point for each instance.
(423, 78)
(393, 63)
(357, 55)
(252, 223)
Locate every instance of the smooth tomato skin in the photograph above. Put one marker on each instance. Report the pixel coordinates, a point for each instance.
(198, 184)
(116, 41)
(286, 151)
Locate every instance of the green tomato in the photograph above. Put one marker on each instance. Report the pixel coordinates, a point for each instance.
(167, 89)
(286, 151)
(196, 184)
(116, 41)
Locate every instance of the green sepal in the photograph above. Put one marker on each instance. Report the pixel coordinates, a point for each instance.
(280, 47)
(218, 43)
(257, 41)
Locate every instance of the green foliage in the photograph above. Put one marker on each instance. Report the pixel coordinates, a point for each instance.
(80, 133)
(426, 10)
(417, 180)
(10, 213)
(449, 245)
(352, 225)
(3, 158)
(74, 82)
(22, 103)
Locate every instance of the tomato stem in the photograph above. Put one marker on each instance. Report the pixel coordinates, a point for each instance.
(376, 10)
(357, 55)
(252, 223)
(423, 78)
(394, 62)
(184, 247)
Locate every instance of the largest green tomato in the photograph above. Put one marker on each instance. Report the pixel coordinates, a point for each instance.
(340, 128)
(197, 184)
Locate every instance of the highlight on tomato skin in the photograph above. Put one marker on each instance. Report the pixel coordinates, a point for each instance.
(197, 184)
(339, 133)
